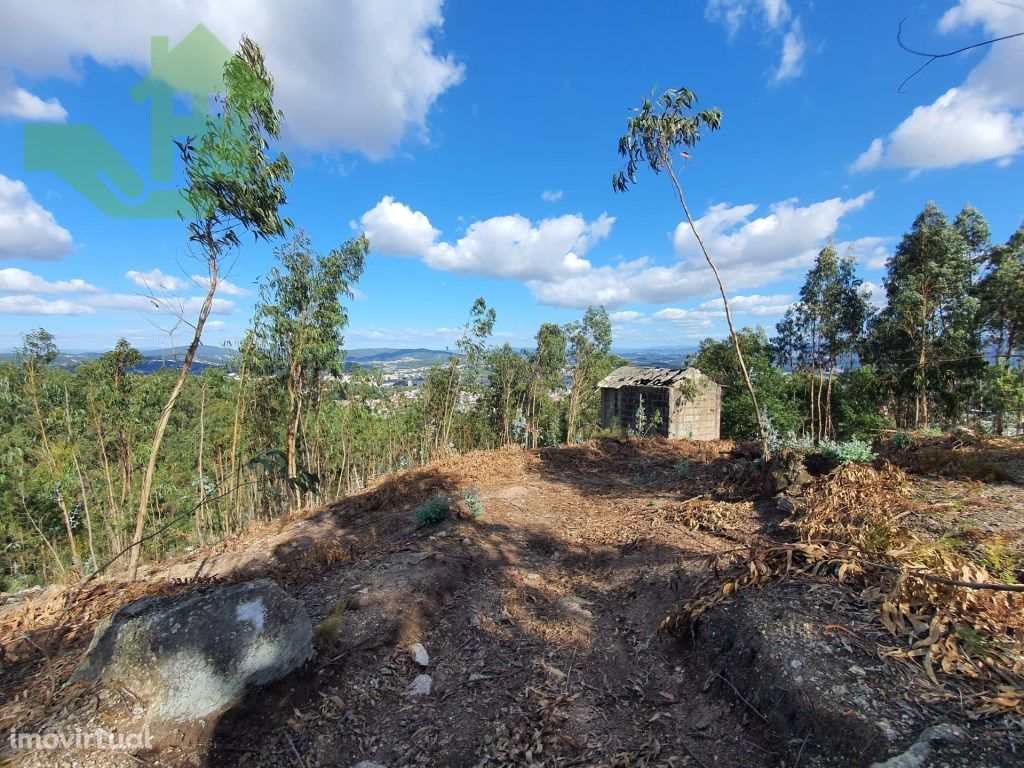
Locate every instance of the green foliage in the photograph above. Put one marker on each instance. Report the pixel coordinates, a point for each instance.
(435, 510)
(716, 358)
(660, 127)
(926, 342)
(471, 499)
(901, 441)
(855, 451)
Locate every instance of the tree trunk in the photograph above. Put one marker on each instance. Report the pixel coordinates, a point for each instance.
(766, 453)
(168, 409)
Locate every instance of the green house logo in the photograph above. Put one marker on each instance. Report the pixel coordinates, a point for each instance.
(84, 158)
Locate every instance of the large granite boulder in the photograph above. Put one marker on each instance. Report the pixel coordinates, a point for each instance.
(190, 657)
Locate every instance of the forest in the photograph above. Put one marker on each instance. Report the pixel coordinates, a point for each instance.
(283, 427)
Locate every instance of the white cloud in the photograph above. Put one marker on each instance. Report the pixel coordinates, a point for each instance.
(19, 104)
(754, 304)
(547, 256)
(791, 63)
(787, 236)
(215, 325)
(33, 305)
(350, 76)
(186, 308)
(552, 195)
(27, 230)
(13, 280)
(502, 246)
(979, 121)
(224, 287)
(156, 281)
(775, 18)
(394, 229)
(627, 316)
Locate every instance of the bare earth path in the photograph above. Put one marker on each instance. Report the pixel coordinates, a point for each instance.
(540, 620)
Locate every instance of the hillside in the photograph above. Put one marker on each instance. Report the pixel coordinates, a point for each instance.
(542, 618)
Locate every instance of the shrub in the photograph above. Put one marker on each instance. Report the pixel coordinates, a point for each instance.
(856, 451)
(684, 468)
(901, 441)
(472, 501)
(432, 512)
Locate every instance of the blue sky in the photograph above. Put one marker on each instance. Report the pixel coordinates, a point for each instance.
(474, 143)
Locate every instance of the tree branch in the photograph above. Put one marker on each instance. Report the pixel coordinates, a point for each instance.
(933, 56)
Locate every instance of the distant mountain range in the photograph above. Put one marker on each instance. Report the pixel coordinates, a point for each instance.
(388, 358)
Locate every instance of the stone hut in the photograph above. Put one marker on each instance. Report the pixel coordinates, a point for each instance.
(689, 403)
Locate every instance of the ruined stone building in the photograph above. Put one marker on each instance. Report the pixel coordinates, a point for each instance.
(688, 402)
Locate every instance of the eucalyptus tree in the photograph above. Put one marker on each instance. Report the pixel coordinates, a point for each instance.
(37, 351)
(661, 132)
(547, 365)
(1001, 293)
(299, 325)
(462, 371)
(590, 341)
(233, 184)
(926, 341)
(824, 326)
(508, 379)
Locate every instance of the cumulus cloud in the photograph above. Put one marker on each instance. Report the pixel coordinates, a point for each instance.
(363, 77)
(394, 229)
(979, 121)
(33, 305)
(754, 304)
(627, 316)
(27, 230)
(501, 246)
(775, 18)
(155, 280)
(183, 307)
(13, 280)
(552, 195)
(547, 256)
(19, 104)
(225, 287)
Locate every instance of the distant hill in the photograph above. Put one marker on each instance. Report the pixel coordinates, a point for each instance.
(656, 357)
(394, 359)
(390, 359)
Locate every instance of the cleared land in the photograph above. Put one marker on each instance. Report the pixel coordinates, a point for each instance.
(545, 619)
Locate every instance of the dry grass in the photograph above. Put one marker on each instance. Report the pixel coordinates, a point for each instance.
(853, 530)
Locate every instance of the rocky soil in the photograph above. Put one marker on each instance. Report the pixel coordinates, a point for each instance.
(530, 637)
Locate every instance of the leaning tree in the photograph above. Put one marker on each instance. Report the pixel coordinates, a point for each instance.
(660, 130)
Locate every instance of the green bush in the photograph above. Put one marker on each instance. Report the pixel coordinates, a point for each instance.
(901, 441)
(432, 512)
(856, 451)
(472, 501)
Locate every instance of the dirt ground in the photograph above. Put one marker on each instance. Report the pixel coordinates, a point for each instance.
(541, 622)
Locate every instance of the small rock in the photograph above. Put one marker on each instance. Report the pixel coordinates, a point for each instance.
(919, 751)
(796, 663)
(858, 671)
(442, 534)
(467, 541)
(474, 621)
(784, 504)
(420, 686)
(419, 654)
(576, 605)
(367, 764)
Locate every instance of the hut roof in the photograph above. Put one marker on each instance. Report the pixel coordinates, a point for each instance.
(642, 376)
